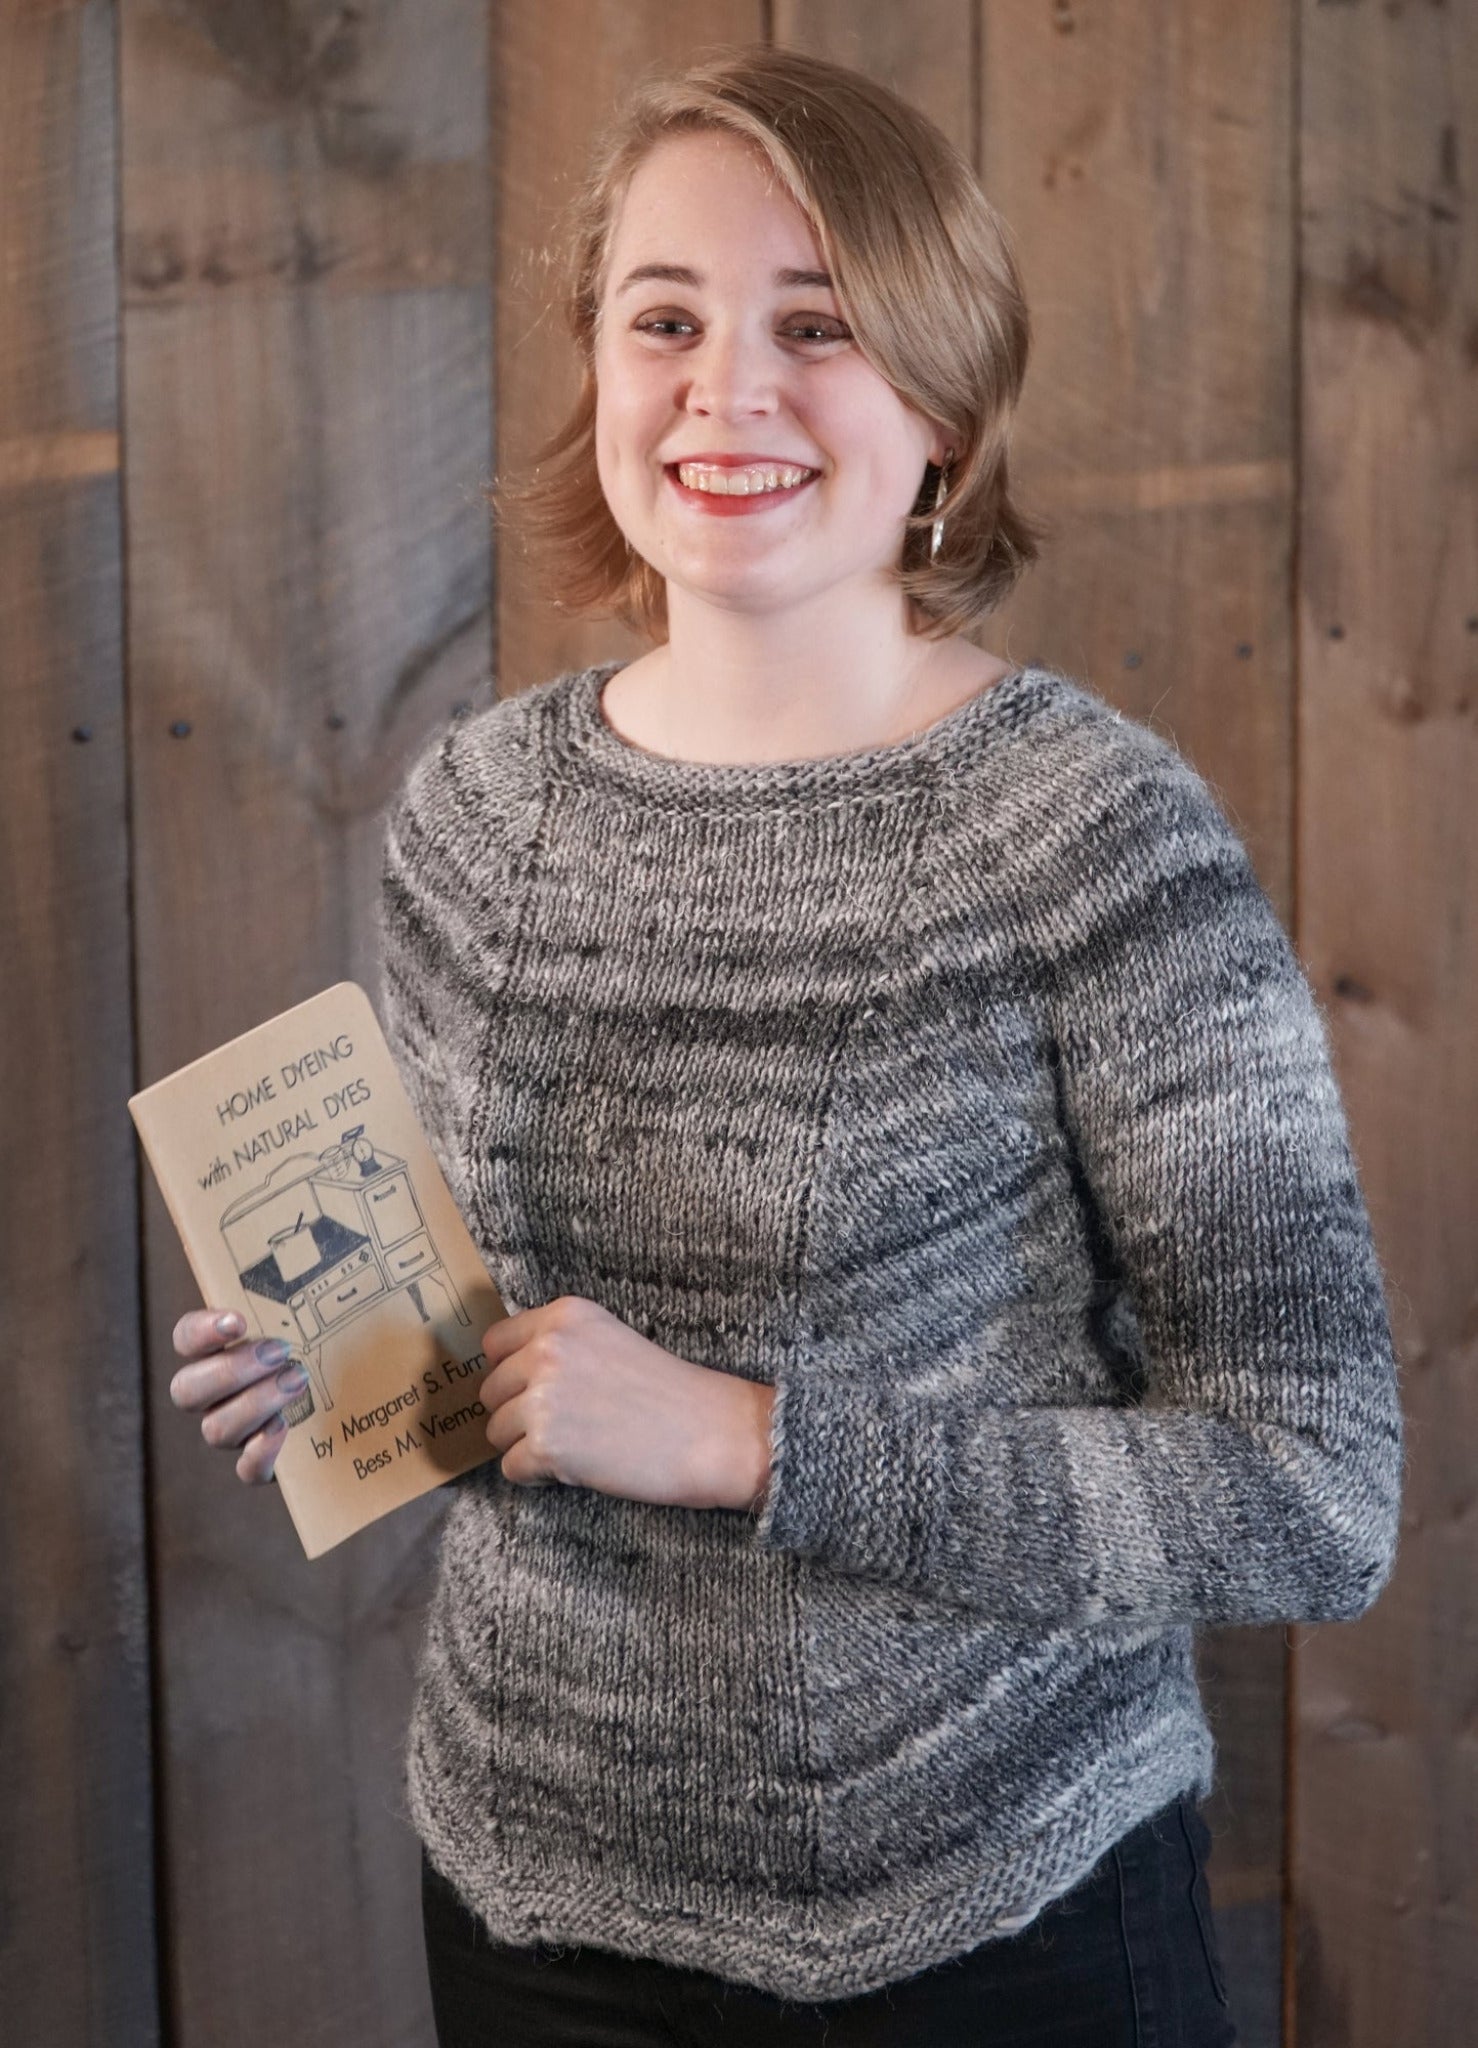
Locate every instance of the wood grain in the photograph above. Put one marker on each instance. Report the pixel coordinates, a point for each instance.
(306, 277)
(926, 52)
(77, 1931)
(1385, 1859)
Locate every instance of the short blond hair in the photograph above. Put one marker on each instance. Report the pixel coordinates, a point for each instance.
(923, 270)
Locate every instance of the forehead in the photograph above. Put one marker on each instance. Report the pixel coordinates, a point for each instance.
(692, 195)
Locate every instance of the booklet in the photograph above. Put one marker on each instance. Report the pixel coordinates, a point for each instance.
(306, 1195)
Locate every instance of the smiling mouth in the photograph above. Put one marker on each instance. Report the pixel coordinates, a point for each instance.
(730, 488)
(750, 479)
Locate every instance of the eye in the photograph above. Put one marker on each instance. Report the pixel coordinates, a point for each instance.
(655, 322)
(818, 330)
(810, 328)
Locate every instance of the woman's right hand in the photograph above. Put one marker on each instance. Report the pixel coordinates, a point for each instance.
(237, 1389)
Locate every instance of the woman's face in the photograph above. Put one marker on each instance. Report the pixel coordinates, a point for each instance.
(743, 371)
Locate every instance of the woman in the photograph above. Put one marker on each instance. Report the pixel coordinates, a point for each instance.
(907, 1146)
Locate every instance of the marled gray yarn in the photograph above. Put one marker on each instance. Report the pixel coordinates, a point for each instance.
(970, 1091)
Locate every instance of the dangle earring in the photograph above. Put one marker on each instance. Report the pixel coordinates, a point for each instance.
(939, 491)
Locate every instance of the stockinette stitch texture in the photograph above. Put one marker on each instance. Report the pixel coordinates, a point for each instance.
(969, 1091)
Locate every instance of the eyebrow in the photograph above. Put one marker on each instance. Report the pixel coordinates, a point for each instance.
(678, 273)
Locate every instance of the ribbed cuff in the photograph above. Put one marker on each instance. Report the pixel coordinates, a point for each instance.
(855, 1478)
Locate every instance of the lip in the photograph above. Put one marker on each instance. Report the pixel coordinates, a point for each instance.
(743, 461)
(726, 507)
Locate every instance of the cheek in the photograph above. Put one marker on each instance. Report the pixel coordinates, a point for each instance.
(619, 466)
(611, 466)
(891, 443)
(900, 465)
(624, 426)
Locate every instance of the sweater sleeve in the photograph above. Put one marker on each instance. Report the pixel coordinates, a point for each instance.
(417, 952)
(1257, 1475)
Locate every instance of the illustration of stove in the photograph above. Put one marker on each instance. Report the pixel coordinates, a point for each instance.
(326, 1238)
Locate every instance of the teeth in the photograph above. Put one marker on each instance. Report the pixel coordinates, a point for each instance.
(739, 483)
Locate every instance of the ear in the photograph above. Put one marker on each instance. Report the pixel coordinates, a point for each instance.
(940, 451)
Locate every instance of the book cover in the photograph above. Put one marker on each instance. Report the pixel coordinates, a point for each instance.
(306, 1195)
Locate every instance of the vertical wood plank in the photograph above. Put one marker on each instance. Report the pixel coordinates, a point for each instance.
(925, 52)
(1142, 159)
(306, 257)
(1141, 156)
(76, 1843)
(559, 71)
(1385, 1802)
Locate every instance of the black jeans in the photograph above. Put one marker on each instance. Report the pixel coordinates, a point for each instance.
(1127, 1959)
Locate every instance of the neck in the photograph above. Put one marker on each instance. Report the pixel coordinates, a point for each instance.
(829, 676)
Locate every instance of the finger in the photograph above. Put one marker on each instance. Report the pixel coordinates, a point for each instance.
(525, 1457)
(205, 1329)
(502, 1338)
(227, 1372)
(503, 1383)
(259, 1453)
(231, 1422)
(521, 1467)
(506, 1426)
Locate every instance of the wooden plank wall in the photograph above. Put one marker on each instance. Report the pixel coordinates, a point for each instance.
(1383, 1852)
(305, 293)
(1243, 239)
(77, 1919)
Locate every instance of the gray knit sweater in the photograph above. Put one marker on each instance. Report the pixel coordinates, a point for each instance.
(969, 1091)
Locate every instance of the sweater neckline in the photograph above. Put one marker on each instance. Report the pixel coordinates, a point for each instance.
(586, 742)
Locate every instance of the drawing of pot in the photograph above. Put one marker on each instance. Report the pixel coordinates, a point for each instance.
(294, 1250)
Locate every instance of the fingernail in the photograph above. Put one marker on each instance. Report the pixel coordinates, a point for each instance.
(272, 1351)
(229, 1325)
(292, 1379)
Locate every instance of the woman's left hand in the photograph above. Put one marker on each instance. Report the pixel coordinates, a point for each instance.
(577, 1396)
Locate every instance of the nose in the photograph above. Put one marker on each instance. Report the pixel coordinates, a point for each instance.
(730, 376)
